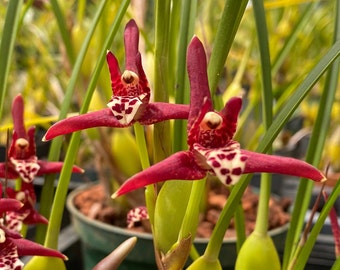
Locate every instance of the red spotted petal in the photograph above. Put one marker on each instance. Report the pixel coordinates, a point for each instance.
(125, 108)
(27, 169)
(9, 258)
(180, 165)
(228, 162)
(258, 162)
(8, 204)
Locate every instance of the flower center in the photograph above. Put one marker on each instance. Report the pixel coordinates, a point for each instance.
(211, 121)
(129, 77)
(21, 144)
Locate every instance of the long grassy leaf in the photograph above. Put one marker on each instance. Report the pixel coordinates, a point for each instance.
(7, 45)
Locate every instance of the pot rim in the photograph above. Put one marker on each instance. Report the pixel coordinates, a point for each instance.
(112, 228)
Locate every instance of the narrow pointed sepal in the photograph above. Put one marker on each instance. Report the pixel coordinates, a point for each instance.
(55, 167)
(258, 162)
(101, 118)
(7, 204)
(180, 165)
(29, 248)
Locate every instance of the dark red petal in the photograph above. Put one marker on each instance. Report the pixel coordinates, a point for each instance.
(198, 77)
(7, 204)
(158, 111)
(18, 116)
(179, 166)
(54, 167)
(101, 118)
(29, 248)
(31, 140)
(230, 114)
(131, 40)
(114, 70)
(258, 162)
(34, 217)
(194, 131)
(10, 174)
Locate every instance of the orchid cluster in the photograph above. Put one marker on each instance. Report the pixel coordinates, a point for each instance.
(211, 147)
(18, 204)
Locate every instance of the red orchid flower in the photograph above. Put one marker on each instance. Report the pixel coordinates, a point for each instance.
(130, 101)
(210, 139)
(22, 159)
(27, 214)
(12, 245)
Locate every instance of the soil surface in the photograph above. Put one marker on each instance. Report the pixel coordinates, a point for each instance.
(94, 204)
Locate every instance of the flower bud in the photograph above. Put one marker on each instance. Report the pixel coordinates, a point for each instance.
(258, 252)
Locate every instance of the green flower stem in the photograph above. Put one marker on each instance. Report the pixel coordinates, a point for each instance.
(214, 245)
(141, 142)
(240, 227)
(261, 226)
(48, 188)
(226, 31)
(61, 192)
(150, 193)
(7, 45)
(315, 148)
(190, 219)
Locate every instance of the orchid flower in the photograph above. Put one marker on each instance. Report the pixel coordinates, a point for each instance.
(12, 245)
(130, 101)
(136, 215)
(22, 160)
(210, 139)
(27, 214)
